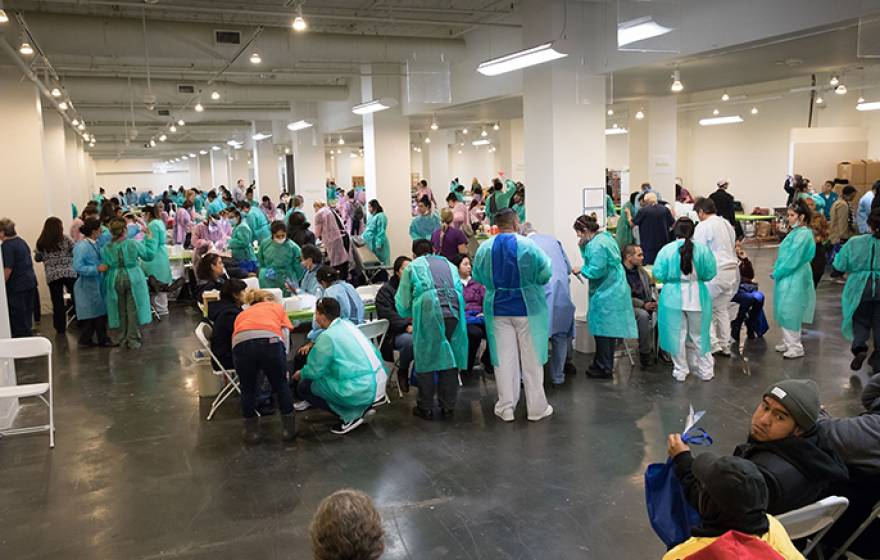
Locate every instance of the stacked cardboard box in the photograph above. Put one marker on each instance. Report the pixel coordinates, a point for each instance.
(860, 173)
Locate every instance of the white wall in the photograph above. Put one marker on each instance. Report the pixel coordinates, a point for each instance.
(471, 162)
(617, 151)
(116, 175)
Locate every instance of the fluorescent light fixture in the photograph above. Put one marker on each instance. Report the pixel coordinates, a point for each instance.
(615, 131)
(374, 105)
(203, 152)
(215, 148)
(192, 155)
(721, 120)
(184, 157)
(481, 142)
(233, 143)
(519, 60)
(261, 136)
(639, 29)
(871, 106)
(299, 125)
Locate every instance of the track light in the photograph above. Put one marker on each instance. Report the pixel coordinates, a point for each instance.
(676, 86)
(834, 80)
(256, 58)
(203, 152)
(184, 157)
(199, 107)
(215, 148)
(192, 155)
(427, 140)
(496, 126)
(81, 126)
(299, 22)
(754, 110)
(860, 99)
(181, 122)
(715, 111)
(63, 106)
(173, 128)
(483, 133)
(610, 112)
(3, 17)
(819, 100)
(55, 92)
(640, 115)
(215, 95)
(162, 138)
(434, 125)
(152, 143)
(341, 141)
(464, 131)
(840, 89)
(725, 97)
(26, 48)
(75, 122)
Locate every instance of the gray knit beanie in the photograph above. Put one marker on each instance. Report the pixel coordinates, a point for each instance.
(800, 397)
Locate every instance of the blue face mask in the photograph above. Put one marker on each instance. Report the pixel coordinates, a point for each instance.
(233, 221)
(133, 230)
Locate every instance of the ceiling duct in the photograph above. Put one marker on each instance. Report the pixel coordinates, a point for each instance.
(226, 37)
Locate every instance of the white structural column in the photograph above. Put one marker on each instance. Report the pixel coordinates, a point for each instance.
(206, 180)
(219, 168)
(195, 172)
(387, 153)
(438, 163)
(343, 168)
(54, 160)
(662, 141)
(73, 171)
(308, 166)
(266, 169)
(238, 168)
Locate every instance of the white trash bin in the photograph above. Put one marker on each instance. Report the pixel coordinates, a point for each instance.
(583, 341)
(209, 383)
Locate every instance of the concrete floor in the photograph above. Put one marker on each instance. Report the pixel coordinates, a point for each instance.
(137, 472)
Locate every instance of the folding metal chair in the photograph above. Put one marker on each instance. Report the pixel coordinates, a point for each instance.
(69, 309)
(30, 347)
(203, 333)
(375, 331)
(874, 515)
(813, 520)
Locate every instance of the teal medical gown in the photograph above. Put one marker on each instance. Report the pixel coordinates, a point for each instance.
(160, 266)
(351, 306)
(520, 210)
(376, 238)
(860, 257)
(500, 199)
(280, 263)
(535, 270)
(794, 296)
(215, 207)
(258, 223)
(123, 257)
(422, 227)
(610, 312)
(88, 291)
(342, 367)
(624, 233)
(667, 270)
(309, 283)
(417, 297)
(241, 244)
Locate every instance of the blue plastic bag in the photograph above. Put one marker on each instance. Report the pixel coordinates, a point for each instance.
(670, 514)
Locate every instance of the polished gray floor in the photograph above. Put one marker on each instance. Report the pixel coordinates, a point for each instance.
(138, 473)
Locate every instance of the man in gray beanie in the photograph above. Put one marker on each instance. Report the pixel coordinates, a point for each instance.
(797, 461)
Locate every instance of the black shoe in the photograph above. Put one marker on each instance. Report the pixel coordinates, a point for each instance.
(447, 412)
(569, 369)
(423, 414)
(858, 360)
(88, 344)
(403, 380)
(595, 373)
(665, 357)
(646, 360)
(288, 427)
(107, 344)
(251, 433)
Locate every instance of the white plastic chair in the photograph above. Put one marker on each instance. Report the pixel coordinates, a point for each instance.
(368, 292)
(375, 331)
(203, 333)
(874, 515)
(252, 282)
(30, 347)
(813, 520)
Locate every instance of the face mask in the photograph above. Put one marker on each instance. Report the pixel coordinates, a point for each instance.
(233, 221)
(279, 241)
(582, 242)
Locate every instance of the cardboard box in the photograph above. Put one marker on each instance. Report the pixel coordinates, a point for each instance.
(853, 171)
(872, 171)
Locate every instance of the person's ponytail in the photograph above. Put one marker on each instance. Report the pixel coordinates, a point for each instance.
(874, 222)
(684, 229)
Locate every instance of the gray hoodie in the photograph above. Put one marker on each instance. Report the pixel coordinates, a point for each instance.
(857, 439)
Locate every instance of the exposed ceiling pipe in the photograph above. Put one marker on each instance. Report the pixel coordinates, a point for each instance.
(188, 73)
(280, 17)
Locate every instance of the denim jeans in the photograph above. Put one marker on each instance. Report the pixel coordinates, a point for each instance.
(559, 345)
(403, 343)
(267, 356)
(604, 357)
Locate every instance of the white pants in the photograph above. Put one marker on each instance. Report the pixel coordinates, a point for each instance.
(689, 354)
(792, 340)
(160, 302)
(517, 361)
(722, 288)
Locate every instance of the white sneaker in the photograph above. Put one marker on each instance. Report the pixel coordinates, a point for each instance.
(709, 377)
(793, 353)
(299, 406)
(547, 412)
(781, 348)
(723, 350)
(680, 377)
(507, 415)
(344, 428)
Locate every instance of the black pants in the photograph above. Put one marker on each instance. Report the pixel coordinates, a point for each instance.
(604, 358)
(90, 328)
(476, 334)
(818, 264)
(59, 311)
(446, 384)
(21, 312)
(865, 320)
(269, 357)
(343, 270)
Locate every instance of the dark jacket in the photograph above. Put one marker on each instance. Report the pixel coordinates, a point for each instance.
(222, 315)
(798, 470)
(386, 309)
(301, 236)
(724, 205)
(857, 439)
(647, 287)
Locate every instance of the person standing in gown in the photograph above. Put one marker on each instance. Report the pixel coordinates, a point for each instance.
(158, 270)
(280, 261)
(125, 285)
(794, 296)
(91, 309)
(335, 240)
(425, 223)
(375, 235)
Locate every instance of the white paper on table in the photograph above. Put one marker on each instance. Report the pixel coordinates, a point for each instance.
(307, 301)
(692, 418)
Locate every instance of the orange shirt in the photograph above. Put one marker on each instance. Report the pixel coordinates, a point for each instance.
(264, 316)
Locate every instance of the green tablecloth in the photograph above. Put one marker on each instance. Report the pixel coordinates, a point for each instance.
(754, 218)
(308, 314)
(185, 256)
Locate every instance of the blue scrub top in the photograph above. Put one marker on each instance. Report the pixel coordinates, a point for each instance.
(505, 274)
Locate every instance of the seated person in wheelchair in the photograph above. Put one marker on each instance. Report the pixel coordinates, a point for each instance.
(343, 374)
(644, 302)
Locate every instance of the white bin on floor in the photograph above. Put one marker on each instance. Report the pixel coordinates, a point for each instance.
(583, 341)
(209, 383)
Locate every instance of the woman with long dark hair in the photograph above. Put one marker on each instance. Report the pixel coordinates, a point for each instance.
(794, 296)
(685, 307)
(375, 234)
(55, 251)
(298, 229)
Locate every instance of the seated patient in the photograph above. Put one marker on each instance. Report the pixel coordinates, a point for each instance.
(222, 314)
(732, 501)
(797, 461)
(400, 330)
(347, 526)
(344, 373)
(750, 300)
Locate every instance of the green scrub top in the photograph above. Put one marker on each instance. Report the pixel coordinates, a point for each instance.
(280, 263)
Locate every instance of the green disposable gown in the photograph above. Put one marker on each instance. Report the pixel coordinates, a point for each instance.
(794, 296)
(258, 223)
(610, 312)
(122, 258)
(535, 270)
(422, 227)
(342, 366)
(667, 269)
(376, 238)
(520, 210)
(500, 199)
(860, 257)
(241, 244)
(624, 231)
(159, 267)
(417, 298)
(609, 207)
(280, 263)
